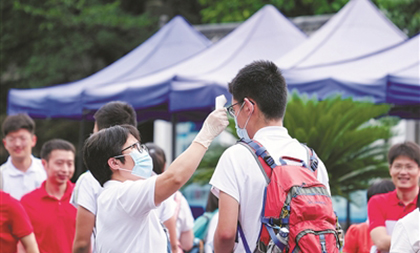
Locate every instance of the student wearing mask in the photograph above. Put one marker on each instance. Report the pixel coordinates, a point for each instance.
(123, 167)
(88, 189)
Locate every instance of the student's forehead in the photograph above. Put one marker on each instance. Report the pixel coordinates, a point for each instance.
(62, 154)
(19, 132)
(404, 159)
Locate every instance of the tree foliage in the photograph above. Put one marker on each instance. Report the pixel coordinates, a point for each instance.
(345, 135)
(56, 41)
(217, 11)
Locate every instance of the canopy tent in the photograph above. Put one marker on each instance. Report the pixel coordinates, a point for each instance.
(265, 35)
(359, 28)
(390, 75)
(403, 86)
(173, 43)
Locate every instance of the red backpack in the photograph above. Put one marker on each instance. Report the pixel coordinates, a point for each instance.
(297, 214)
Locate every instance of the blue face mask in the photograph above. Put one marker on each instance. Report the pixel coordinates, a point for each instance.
(241, 132)
(143, 164)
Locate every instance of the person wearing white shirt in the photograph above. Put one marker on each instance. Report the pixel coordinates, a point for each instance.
(181, 235)
(88, 189)
(258, 107)
(126, 220)
(22, 172)
(406, 235)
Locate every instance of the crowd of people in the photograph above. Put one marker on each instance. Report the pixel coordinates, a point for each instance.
(129, 199)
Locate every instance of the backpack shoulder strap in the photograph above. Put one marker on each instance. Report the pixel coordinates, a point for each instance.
(257, 150)
(312, 158)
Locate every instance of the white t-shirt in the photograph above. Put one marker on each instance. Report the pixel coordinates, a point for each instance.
(238, 175)
(209, 245)
(87, 191)
(185, 219)
(18, 183)
(126, 220)
(406, 235)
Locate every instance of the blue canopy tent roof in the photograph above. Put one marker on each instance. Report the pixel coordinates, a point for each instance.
(265, 35)
(390, 75)
(355, 31)
(359, 28)
(173, 43)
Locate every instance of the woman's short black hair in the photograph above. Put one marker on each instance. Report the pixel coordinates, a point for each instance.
(104, 144)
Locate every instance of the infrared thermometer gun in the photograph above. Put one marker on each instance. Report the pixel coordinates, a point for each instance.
(220, 101)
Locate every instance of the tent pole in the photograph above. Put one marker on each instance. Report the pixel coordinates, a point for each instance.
(174, 122)
(348, 214)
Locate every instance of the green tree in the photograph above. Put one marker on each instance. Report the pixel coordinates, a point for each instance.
(344, 133)
(57, 41)
(404, 13)
(50, 42)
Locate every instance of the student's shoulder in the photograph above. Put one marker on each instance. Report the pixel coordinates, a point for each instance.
(32, 197)
(383, 198)
(37, 165)
(238, 149)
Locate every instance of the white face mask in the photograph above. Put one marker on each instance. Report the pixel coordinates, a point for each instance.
(241, 132)
(143, 164)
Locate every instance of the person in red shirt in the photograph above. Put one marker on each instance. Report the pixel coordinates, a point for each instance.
(357, 239)
(384, 210)
(48, 207)
(15, 226)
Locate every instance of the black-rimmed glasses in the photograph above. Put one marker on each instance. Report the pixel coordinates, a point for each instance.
(231, 111)
(140, 147)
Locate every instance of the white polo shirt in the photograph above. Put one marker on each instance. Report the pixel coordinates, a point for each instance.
(126, 220)
(18, 183)
(238, 175)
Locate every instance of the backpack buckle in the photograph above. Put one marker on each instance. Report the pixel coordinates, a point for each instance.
(314, 164)
(269, 160)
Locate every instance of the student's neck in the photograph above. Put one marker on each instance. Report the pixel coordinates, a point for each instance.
(55, 189)
(264, 123)
(407, 196)
(22, 164)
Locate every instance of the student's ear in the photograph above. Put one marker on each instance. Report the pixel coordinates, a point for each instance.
(249, 105)
(44, 164)
(113, 163)
(34, 139)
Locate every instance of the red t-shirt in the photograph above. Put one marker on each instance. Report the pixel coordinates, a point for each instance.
(14, 223)
(387, 207)
(54, 220)
(357, 239)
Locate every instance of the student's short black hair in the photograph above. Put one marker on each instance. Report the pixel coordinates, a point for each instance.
(407, 148)
(56, 144)
(16, 122)
(263, 82)
(158, 157)
(115, 113)
(104, 144)
(379, 187)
